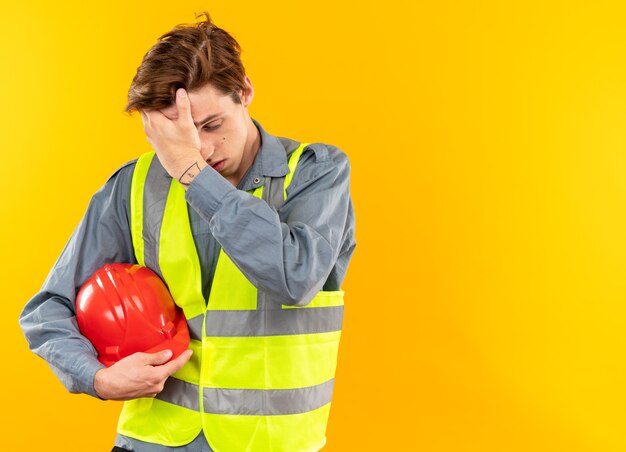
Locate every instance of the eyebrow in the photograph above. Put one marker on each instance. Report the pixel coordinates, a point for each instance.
(208, 118)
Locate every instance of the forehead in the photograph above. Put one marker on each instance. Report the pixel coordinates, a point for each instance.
(204, 101)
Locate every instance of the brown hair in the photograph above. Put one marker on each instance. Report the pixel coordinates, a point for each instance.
(189, 56)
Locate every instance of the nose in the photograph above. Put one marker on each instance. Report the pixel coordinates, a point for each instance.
(206, 149)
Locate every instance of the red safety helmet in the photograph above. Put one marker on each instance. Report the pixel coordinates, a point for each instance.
(126, 308)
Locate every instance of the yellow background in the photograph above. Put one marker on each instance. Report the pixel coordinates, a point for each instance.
(485, 300)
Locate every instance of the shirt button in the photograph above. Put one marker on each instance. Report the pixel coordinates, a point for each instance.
(256, 180)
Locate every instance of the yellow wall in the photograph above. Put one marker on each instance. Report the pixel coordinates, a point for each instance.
(485, 301)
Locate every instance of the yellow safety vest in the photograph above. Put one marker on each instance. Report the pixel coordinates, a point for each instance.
(261, 375)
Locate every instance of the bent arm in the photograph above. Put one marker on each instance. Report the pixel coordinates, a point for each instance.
(289, 254)
(48, 319)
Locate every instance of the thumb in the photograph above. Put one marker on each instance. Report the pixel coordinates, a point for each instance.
(158, 358)
(176, 364)
(183, 105)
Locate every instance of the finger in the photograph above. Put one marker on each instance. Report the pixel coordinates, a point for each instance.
(145, 117)
(156, 359)
(183, 105)
(176, 364)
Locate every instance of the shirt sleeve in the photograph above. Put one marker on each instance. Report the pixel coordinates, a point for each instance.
(48, 319)
(289, 253)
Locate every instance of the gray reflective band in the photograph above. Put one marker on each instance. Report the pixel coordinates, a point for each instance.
(195, 327)
(180, 393)
(267, 402)
(260, 402)
(273, 322)
(154, 200)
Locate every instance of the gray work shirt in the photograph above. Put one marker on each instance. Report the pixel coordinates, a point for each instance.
(306, 245)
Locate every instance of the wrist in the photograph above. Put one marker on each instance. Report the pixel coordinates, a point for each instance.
(188, 173)
(99, 383)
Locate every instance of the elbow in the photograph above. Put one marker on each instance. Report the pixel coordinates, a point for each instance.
(297, 288)
(300, 291)
(306, 278)
(301, 298)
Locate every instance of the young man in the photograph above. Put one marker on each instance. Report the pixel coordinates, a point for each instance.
(253, 235)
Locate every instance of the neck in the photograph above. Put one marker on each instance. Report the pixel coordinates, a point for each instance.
(252, 146)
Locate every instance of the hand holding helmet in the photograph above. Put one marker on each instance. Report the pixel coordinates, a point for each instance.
(129, 316)
(138, 375)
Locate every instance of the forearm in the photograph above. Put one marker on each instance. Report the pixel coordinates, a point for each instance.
(289, 260)
(48, 319)
(288, 254)
(51, 331)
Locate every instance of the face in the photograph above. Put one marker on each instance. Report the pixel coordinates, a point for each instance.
(224, 127)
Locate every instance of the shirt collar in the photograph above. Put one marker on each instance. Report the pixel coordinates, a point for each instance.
(270, 160)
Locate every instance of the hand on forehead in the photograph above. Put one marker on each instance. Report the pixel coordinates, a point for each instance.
(171, 111)
(203, 103)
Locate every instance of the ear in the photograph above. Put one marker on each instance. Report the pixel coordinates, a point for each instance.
(247, 94)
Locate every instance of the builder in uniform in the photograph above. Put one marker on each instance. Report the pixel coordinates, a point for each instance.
(269, 267)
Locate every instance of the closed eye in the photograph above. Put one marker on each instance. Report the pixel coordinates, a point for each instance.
(212, 126)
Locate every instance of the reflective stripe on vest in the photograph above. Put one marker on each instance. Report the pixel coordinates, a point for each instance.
(261, 376)
(248, 401)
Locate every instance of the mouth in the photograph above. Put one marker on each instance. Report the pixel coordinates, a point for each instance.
(217, 166)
